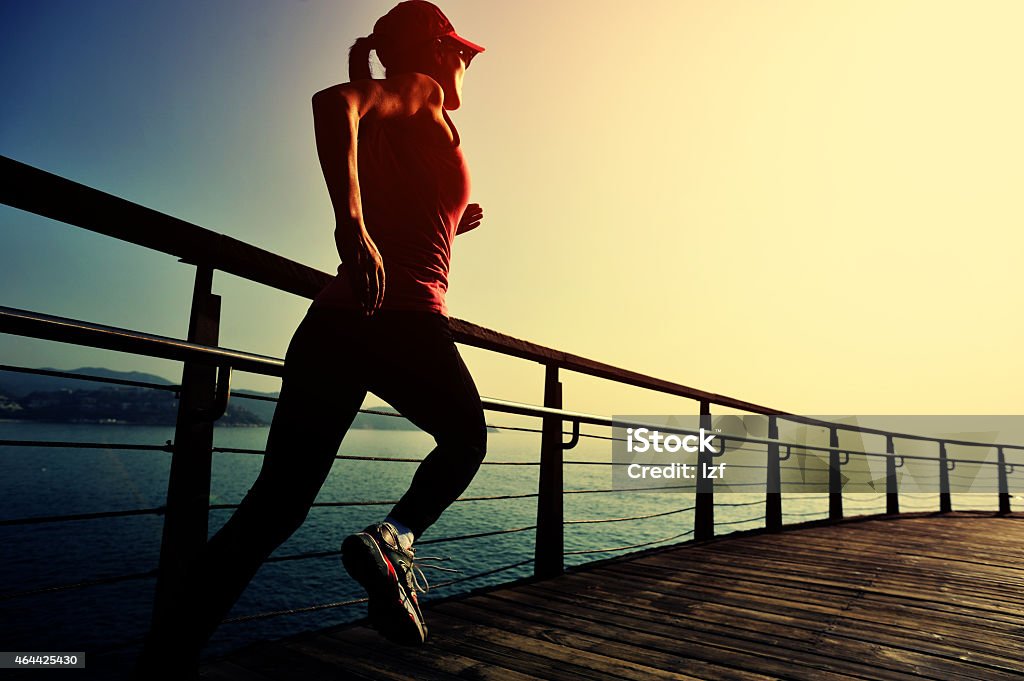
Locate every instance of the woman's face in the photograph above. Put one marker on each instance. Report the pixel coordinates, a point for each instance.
(451, 61)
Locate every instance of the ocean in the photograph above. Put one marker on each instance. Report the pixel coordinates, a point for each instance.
(106, 620)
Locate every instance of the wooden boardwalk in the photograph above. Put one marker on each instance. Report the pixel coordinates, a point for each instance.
(920, 596)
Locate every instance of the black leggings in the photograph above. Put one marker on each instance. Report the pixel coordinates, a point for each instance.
(406, 358)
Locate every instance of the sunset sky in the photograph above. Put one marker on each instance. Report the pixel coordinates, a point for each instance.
(813, 205)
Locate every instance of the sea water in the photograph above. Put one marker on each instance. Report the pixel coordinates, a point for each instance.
(106, 620)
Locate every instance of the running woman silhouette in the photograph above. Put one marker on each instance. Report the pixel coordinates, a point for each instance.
(392, 160)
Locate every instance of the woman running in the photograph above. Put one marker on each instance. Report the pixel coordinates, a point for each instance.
(392, 160)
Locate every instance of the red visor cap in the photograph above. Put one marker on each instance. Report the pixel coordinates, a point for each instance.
(415, 21)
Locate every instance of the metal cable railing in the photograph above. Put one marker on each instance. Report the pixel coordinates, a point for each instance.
(174, 388)
(759, 502)
(388, 502)
(501, 405)
(739, 522)
(615, 490)
(113, 579)
(635, 517)
(583, 552)
(357, 601)
(477, 535)
(865, 501)
(97, 581)
(101, 515)
(792, 514)
(293, 611)
(354, 457)
(53, 444)
(325, 554)
(169, 447)
(320, 554)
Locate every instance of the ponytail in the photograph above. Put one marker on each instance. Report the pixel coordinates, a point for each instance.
(359, 58)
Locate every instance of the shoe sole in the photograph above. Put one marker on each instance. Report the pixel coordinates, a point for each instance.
(390, 611)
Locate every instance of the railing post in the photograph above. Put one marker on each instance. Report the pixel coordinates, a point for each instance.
(1004, 484)
(773, 491)
(548, 551)
(704, 513)
(945, 504)
(835, 478)
(186, 522)
(892, 494)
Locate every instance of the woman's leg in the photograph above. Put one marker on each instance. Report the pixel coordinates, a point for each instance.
(320, 396)
(417, 369)
(321, 393)
(421, 374)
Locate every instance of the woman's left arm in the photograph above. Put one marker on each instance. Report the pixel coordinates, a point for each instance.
(471, 218)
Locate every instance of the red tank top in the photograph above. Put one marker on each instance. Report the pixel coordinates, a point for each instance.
(414, 192)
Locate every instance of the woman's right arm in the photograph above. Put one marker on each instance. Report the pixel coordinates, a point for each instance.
(337, 112)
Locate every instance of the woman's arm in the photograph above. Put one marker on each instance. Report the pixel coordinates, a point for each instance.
(471, 218)
(336, 115)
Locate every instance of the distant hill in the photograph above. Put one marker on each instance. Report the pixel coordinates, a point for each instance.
(14, 384)
(9, 407)
(378, 422)
(262, 408)
(69, 400)
(134, 406)
(265, 410)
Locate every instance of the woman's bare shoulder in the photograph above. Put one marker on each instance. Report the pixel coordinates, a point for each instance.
(406, 94)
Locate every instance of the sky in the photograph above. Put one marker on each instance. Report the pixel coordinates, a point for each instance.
(808, 205)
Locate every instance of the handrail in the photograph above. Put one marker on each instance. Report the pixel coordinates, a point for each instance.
(64, 329)
(37, 191)
(51, 327)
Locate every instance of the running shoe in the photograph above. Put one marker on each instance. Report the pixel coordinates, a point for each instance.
(388, 572)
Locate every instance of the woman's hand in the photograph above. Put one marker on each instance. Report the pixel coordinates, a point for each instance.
(471, 218)
(367, 273)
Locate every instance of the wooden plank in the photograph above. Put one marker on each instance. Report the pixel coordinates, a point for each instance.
(816, 603)
(360, 641)
(923, 579)
(551, 644)
(754, 582)
(226, 670)
(900, 566)
(767, 652)
(852, 646)
(282, 663)
(796, 573)
(865, 553)
(610, 647)
(735, 603)
(914, 610)
(522, 655)
(344, 658)
(741, 616)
